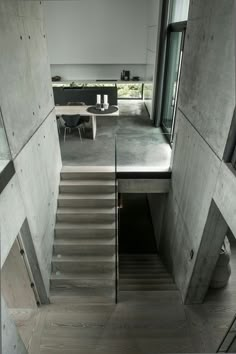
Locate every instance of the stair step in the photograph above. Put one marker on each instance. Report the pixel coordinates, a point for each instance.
(145, 281)
(72, 247)
(86, 200)
(84, 230)
(86, 175)
(83, 264)
(145, 275)
(146, 268)
(83, 215)
(84, 291)
(84, 277)
(142, 264)
(106, 170)
(139, 255)
(147, 287)
(87, 186)
(68, 282)
(58, 297)
(140, 261)
(86, 242)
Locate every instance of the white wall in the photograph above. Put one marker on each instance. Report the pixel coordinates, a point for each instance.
(96, 31)
(99, 71)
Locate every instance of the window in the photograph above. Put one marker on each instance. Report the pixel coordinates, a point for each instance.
(175, 43)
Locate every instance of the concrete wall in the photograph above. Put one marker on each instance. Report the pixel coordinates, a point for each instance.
(11, 341)
(26, 102)
(205, 111)
(27, 109)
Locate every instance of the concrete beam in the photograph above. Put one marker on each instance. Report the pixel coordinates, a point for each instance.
(143, 185)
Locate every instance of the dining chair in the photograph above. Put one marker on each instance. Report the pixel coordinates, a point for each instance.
(72, 122)
(84, 119)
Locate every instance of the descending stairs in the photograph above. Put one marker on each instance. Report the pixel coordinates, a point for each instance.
(143, 272)
(83, 262)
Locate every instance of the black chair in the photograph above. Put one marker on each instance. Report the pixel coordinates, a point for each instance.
(71, 122)
(83, 119)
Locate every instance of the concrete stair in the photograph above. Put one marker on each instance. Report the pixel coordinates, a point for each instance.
(83, 262)
(144, 273)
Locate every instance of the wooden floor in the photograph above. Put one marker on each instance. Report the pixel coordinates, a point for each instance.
(142, 322)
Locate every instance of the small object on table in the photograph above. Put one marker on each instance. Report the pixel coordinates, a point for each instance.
(98, 104)
(105, 102)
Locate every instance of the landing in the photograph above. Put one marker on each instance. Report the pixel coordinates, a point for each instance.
(139, 146)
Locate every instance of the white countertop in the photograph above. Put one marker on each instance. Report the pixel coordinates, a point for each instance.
(81, 82)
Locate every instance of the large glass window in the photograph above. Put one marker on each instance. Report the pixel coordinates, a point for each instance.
(179, 10)
(175, 41)
(130, 90)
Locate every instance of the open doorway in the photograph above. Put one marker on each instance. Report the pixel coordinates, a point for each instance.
(140, 266)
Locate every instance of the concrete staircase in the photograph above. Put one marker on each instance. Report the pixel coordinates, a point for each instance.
(83, 263)
(143, 272)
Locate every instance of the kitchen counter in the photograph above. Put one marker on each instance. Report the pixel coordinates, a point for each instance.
(94, 82)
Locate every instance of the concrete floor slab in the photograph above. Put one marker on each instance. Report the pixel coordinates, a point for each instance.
(129, 139)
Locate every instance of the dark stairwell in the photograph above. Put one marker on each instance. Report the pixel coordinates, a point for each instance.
(140, 266)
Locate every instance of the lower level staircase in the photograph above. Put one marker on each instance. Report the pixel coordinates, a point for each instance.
(83, 263)
(143, 272)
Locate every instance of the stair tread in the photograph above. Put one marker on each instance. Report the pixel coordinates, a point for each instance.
(63, 225)
(73, 297)
(87, 182)
(146, 281)
(161, 287)
(84, 258)
(85, 242)
(82, 211)
(88, 169)
(76, 196)
(87, 276)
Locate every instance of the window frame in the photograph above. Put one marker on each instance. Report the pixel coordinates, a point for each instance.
(172, 27)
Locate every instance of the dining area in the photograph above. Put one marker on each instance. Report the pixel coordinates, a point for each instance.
(78, 109)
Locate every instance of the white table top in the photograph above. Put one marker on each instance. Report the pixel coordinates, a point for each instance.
(82, 110)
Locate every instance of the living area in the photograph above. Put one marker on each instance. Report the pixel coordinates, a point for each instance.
(113, 62)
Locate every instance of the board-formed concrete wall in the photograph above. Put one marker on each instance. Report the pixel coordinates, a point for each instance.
(205, 112)
(11, 341)
(27, 105)
(26, 101)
